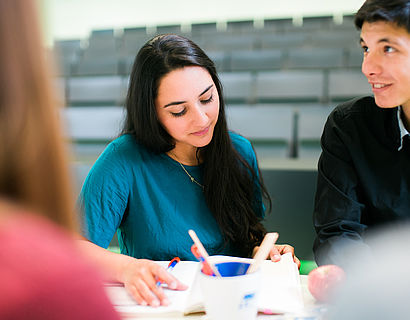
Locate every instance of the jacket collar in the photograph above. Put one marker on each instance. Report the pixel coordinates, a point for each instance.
(403, 130)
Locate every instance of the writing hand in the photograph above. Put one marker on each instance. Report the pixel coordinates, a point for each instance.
(140, 277)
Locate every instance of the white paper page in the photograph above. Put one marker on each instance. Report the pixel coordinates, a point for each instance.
(185, 271)
(281, 290)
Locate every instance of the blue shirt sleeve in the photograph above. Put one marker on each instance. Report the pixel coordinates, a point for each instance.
(103, 198)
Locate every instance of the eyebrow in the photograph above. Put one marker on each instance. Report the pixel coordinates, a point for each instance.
(380, 41)
(180, 102)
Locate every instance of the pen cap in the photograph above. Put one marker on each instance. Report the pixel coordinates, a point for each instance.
(205, 268)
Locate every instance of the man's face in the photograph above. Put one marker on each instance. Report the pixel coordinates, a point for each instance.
(386, 62)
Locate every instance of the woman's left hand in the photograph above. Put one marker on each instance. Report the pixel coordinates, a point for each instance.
(279, 249)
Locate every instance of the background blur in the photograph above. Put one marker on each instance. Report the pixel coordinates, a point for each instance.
(284, 66)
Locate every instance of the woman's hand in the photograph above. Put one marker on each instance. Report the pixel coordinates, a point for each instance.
(279, 249)
(140, 277)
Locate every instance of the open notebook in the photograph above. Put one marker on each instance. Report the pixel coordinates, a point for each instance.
(280, 290)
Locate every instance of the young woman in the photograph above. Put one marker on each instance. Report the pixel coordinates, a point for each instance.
(44, 276)
(175, 167)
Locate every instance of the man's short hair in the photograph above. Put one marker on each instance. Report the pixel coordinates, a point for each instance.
(395, 11)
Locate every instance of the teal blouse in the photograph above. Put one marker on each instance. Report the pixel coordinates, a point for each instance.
(151, 201)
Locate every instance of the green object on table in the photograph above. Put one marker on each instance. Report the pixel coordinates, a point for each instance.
(114, 249)
(306, 266)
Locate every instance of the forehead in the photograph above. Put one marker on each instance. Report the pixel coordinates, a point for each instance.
(383, 29)
(184, 82)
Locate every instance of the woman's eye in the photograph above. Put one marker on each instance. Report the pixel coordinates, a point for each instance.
(388, 49)
(365, 49)
(207, 100)
(179, 114)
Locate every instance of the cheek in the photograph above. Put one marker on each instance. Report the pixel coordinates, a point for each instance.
(406, 80)
(215, 111)
(173, 127)
(401, 72)
(166, 122)
(403, 85)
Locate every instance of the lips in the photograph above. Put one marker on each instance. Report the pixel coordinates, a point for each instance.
(201, 132)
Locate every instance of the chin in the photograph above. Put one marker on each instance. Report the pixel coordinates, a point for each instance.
(203, 144)
(386, 104)
(204, 141)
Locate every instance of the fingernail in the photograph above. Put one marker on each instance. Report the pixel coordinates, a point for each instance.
(276, 257)
(173, 285)
(165, 302)
(155, 303)
(143, 303)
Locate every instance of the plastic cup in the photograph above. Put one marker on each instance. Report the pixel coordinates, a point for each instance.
(232, 296)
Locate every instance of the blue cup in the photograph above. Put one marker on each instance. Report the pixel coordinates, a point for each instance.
(232, 269)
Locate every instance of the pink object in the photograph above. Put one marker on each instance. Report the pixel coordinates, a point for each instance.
(324, 280)
(44, 276)
(206, 269)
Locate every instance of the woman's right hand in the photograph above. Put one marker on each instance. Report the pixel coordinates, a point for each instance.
(140, 277)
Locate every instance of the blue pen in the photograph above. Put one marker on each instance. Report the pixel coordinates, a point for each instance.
(171, 266)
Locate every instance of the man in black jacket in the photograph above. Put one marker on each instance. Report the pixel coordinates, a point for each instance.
(364, 169)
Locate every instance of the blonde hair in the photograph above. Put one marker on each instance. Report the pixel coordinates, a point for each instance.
(33, 162)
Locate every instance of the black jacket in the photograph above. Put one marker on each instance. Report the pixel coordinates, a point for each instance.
(363, 179)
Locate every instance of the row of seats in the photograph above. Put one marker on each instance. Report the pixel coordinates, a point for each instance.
(282, 59)
(111, 52)
(276, 131)
(239, 87)
(225, 61)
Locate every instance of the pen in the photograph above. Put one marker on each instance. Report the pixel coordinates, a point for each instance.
(205, 267)
(267, 243)
(203, 252)
(171, 266)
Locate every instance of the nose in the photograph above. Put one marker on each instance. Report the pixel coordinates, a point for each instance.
(199, 115)
(371, 65)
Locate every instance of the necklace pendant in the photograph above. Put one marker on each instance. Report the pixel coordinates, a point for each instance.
(187, 173)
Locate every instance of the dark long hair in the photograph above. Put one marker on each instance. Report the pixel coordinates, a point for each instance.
(395, 11)
(231, 186)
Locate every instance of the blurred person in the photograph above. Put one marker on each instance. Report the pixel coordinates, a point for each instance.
(378, 286)
(43, 274)
(174, 168)
(364, 171)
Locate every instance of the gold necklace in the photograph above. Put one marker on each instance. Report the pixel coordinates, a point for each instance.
(185, 170)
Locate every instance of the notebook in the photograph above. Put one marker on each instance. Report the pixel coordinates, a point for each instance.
(280, 290)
